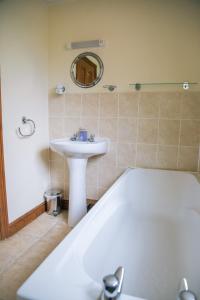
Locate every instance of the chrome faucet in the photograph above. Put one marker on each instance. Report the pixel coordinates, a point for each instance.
(184, 292)
(74, 137)
(113, 285)
(91, 138)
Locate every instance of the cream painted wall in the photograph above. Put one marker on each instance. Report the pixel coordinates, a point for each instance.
(155, 40)
(146, 40)
(24, 75)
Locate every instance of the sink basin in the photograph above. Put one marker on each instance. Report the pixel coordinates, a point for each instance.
(77, 154)
(78, 149)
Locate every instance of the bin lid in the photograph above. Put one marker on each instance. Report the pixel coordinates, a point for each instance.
(52, 192)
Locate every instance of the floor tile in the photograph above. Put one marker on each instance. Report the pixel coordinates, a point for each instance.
(12, 279)
(22, 253)
(13, 247)
(37, 228)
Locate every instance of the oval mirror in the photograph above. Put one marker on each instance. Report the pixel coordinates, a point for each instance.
(86, 69)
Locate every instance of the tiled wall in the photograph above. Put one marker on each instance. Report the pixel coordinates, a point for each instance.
(146, 129)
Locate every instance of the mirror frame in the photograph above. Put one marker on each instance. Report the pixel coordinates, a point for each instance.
(82, 85)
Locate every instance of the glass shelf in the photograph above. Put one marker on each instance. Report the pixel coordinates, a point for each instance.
(185, 85)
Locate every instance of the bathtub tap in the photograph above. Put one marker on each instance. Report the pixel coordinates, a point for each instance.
(113, 285)
(184, 292)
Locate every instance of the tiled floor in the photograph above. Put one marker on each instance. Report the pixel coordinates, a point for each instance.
(22, 253)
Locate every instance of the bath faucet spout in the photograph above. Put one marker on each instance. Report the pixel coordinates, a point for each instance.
(113, 285)
(184, 292)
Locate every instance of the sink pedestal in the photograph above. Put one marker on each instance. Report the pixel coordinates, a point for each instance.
(77, 154)
(77, 189)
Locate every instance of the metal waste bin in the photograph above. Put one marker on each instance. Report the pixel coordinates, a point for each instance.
(53, 199)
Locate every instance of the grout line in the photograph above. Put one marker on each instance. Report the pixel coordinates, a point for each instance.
(158, 133)
(137, 129)
(127, 117)
(179, 140)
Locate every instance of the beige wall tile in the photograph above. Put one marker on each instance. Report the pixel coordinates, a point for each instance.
(107, 175)
(149, 104)
(66, 192)
(158, 132)
(190, 131)
(128, 104)
(108, 128)
(127, 130)
(167, 157)
(57, 169)
(108, 105)
(120, 171)
(110, 157)
(91, 124)
(56, 106)
(190, 105)
(57, 183)
(56, 128)
(126, 155)
(55, 156)
(103, 189)
(66, 186)
(71, 126)
(90, 105)
(146, 156)
(92, 172)
(147, 131)
(73, 105)
(92, 192)
(66, 174)
(169, 132)
(170, 105)
(188, 158)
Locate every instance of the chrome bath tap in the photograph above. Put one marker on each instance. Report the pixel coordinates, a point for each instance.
(184, 292)
(113, 285)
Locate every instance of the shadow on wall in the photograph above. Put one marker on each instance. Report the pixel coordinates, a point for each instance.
(44, 156)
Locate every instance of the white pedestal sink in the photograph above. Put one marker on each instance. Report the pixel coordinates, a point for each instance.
(77, 154)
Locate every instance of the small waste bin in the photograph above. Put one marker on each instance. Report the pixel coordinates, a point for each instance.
(53, 199)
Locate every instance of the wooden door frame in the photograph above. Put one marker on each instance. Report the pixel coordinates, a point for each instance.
(3, 198)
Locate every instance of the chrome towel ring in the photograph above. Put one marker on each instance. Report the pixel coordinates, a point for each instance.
(32, 127)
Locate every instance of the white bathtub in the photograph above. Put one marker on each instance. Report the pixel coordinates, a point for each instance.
(148, 222)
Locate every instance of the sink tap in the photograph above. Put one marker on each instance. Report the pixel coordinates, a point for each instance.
(184, 292)
(74, 137)
(91, 138)
(113, 285)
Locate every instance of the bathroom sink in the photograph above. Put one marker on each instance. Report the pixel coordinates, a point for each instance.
(78, 149)
(77, 154)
